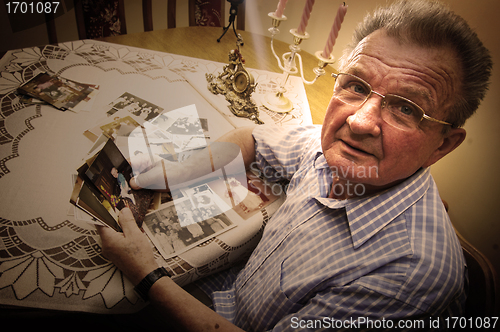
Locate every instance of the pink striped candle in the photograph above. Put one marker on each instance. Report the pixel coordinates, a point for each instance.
(305, 17)
(281, 8)
(335, 31)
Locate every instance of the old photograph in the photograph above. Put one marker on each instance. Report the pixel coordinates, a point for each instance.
(178, 226)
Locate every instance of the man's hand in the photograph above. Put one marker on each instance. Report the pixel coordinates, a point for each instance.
(131, 250)
(132, 253)
(149, 173)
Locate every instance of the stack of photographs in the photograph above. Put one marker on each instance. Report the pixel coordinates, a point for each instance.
(205, 210)
(186, 221)
(139, 126)
(102, 188)
(128, 138)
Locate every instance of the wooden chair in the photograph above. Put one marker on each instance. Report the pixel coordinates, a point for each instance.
(101, 18)
(206, 13)
(201, 13)
(482, 282)
(481, 299)
(108, 18)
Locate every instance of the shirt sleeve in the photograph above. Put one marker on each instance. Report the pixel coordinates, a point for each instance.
(279, 150)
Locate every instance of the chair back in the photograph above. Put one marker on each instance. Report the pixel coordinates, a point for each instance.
(101, 18)
(206, 13)
(482, 282)
(211, 13)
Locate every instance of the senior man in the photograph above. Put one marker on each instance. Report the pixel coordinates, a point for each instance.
(363, 236)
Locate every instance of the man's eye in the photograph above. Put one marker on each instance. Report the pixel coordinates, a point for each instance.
(406, 110)
(358, 88)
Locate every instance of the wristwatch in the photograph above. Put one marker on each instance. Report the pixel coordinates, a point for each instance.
(142, 288)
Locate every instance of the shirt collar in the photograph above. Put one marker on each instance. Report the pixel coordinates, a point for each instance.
(368, 215)
(320, 161)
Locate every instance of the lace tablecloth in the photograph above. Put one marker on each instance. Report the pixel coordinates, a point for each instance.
(47, 258)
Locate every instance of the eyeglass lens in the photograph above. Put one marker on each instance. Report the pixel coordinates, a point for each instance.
(396, 111)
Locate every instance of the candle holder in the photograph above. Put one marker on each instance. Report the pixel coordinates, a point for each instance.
(278, 102)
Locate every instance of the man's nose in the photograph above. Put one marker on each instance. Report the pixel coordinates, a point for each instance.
(367, 119)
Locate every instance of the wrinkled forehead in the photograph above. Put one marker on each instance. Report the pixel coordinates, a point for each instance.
(401, 51)
(431, 73)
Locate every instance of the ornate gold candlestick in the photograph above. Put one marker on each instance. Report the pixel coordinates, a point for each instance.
(237, 84)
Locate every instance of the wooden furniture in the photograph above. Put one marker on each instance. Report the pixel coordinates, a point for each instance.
(201, 13)
(483, 288)
(482, 282)
(201, 42)
(87, 23)
(98, 19)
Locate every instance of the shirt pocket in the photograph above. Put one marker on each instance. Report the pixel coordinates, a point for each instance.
(384, 269)
(389, 279)
(300, 280)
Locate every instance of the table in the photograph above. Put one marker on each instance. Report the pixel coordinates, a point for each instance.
(47, 259)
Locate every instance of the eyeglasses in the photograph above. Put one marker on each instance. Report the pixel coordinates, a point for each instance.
(397, 111)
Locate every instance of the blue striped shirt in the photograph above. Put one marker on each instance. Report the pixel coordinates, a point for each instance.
(323, 262)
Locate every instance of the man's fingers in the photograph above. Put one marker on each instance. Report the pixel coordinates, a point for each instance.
(134, 184)
(155, 178)
(108, 238)
(105, 231)
(127, 221)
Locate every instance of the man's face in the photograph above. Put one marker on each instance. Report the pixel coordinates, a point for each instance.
(358, 145)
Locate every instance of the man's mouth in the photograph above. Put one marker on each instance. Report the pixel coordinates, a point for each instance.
(356, 149)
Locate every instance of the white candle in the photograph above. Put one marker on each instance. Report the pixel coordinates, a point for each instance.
(305, 17)
(335, 31)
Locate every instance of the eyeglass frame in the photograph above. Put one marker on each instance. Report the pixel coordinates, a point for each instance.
(424, 116)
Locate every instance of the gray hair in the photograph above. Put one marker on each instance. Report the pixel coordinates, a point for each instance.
(431, 24)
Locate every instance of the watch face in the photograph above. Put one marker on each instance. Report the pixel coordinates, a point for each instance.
(240, 81)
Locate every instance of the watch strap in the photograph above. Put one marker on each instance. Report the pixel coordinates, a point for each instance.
(142, 288)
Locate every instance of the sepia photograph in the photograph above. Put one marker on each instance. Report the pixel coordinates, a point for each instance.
(178, 226)
(121, 124)
(60, 92)
(137, 106)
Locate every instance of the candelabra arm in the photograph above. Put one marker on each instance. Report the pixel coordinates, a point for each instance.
(302, 72)
(319, 71)
(276, 55)
(274, 30)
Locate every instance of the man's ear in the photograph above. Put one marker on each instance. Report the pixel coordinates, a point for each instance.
(451, 140)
